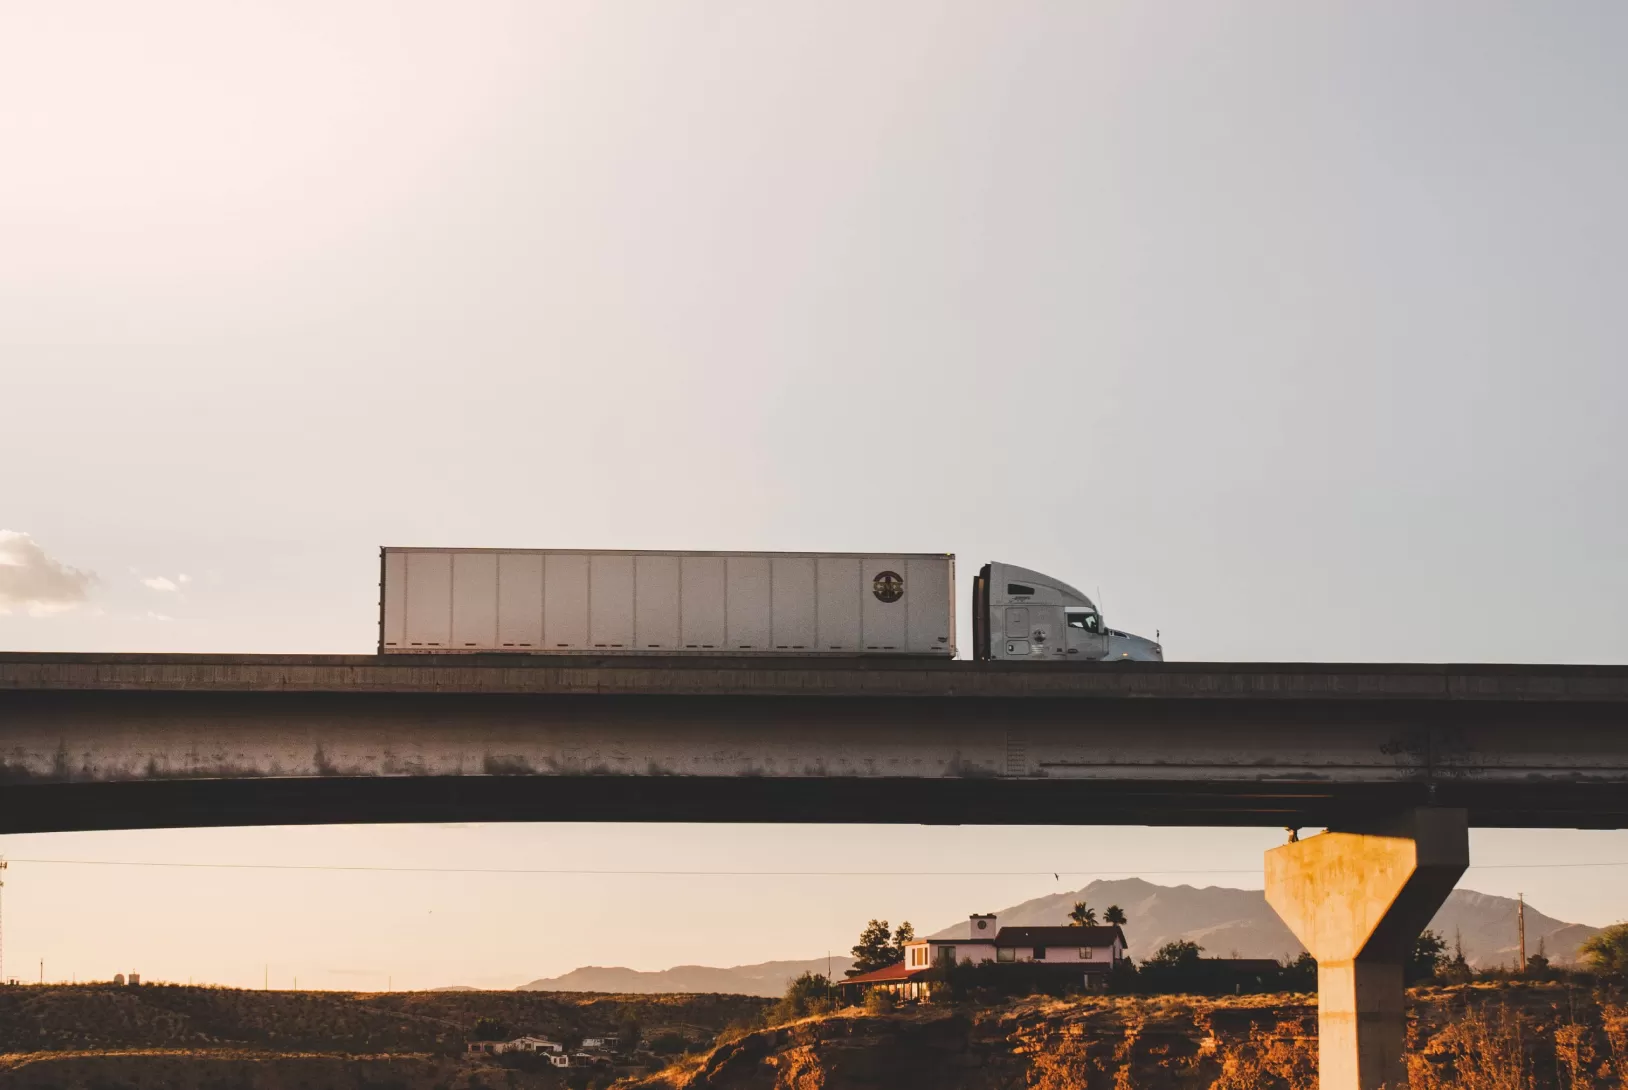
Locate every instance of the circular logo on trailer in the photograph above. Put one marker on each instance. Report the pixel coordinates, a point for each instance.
(888, 586)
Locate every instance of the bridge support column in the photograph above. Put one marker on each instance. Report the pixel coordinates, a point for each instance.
(1357, 900)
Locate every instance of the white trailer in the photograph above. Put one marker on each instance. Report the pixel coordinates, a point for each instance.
(598, 602)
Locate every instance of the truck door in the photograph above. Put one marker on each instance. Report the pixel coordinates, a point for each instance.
(1084, 634)
(1017, 630)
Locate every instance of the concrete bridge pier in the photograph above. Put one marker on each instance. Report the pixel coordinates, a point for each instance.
(1358, 899)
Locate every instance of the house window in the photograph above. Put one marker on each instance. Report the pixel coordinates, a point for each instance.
(1005, 953)
(1040, 953)
(946, 954)
(1085, 953)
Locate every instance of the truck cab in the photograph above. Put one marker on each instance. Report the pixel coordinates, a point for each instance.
(1026, 616)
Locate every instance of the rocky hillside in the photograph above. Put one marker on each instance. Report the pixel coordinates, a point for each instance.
(1518, 1038)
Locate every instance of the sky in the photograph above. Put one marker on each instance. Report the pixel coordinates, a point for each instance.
(1292, 332)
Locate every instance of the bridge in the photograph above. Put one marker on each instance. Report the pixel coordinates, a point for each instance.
(1396, 761)
(118, 741)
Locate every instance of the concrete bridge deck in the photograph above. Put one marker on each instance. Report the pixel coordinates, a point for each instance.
(101, 741)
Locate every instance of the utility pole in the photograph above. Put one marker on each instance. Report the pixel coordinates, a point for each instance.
(1520, 925)
(2, 922)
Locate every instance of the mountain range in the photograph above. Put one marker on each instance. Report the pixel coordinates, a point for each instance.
(1225, 922)
(765, 978)
(1239, 922)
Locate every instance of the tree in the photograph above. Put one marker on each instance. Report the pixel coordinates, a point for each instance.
(1300, 975)
(1607, 952)
(1115, 915)
(1538, 964)
(1455, 969)
(1429, 957)
(629, 1033)
(808, 994)
(1180, 954)
(1082, 915)
(903, 937)
(490, 1029)
(669, 1044)
(875, 949)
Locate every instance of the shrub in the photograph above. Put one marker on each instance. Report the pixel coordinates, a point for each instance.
(878, 1002)
(1607, 952)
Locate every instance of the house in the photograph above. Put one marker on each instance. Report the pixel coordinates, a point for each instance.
(607, 1043)
(519, 1044)
(1090, 953)
(534, 1044)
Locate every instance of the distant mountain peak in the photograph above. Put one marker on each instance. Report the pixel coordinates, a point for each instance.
(1231, 922)
(1227, 922)
(768, 978)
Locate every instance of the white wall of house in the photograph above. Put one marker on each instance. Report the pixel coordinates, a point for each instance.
(1099, 955)
(922, 955)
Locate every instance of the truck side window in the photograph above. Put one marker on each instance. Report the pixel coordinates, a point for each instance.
(1018, 588)
(1088, 621)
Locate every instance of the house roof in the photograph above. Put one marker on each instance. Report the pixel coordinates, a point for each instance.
(1038, 936)
(1059, 936)
(887, 974)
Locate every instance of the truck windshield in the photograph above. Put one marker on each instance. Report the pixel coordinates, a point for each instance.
(1088, 621)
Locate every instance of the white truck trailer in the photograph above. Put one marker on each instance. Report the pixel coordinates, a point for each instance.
(551, 601)
(624, 602)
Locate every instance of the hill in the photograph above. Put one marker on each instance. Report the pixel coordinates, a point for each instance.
(100, 1017)
(1239, 922)
(1526, 1036)
(767, 978)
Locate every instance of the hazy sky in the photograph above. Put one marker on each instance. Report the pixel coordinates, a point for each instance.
(1295, 328)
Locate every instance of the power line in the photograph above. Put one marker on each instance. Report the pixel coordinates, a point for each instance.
(605, 872)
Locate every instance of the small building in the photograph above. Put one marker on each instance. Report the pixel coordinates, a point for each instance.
(608, 1043)
(559, 1059)
(534, 1044)
(1089, 953)
(118, 980)
(135, 979)
(487, 1048)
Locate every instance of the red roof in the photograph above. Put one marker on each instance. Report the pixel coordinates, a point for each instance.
(887, 974)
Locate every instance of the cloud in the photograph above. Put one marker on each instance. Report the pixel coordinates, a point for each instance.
(33, 581)
(158, 582)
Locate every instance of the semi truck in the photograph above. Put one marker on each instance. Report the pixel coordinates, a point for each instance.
(649, 602)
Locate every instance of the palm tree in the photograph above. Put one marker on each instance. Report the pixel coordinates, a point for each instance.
(1083, 915)
(1114, 915)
